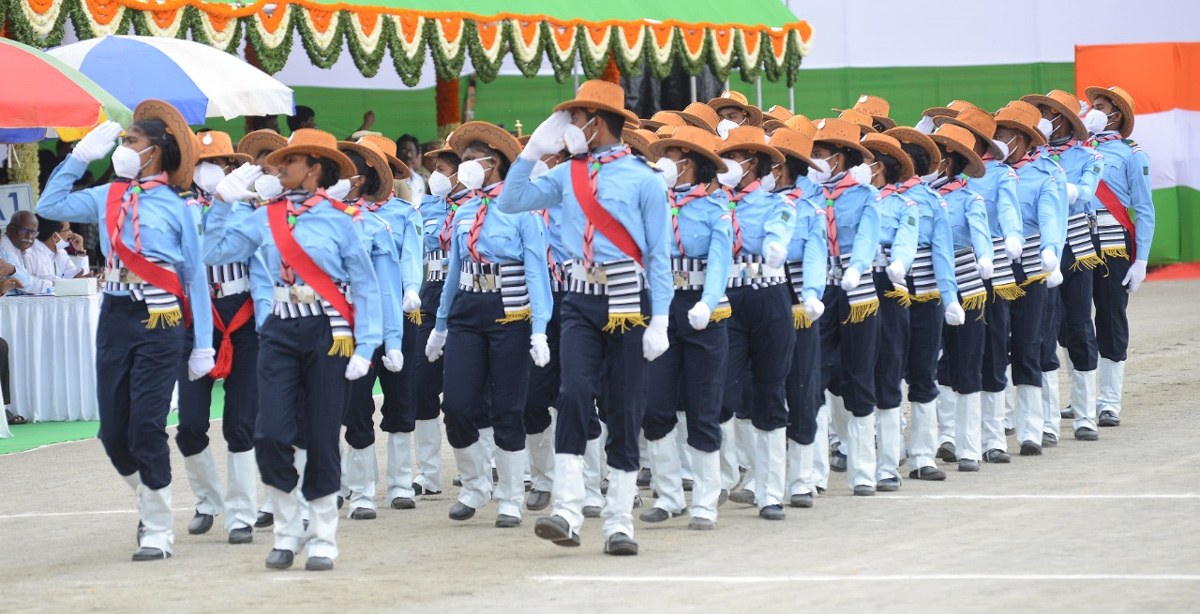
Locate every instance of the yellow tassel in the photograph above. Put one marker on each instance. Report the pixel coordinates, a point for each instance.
(1087, 262)
(520, 315)
(800, 317)
(904, 298)
(862, 311)
(975, 301)
(414, 316)
(342, 346)
(925, 298)
(1009, 292)
(623, 322)
(164, 319)
(1115, 252)
(1039, 278)
(721, 313)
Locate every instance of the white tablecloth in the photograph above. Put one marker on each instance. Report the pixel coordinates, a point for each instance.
(52, 355)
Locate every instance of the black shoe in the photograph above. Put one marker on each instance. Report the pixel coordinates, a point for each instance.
(504, 521)
(864, 491)
(967, 465)
(537, 500)
(141, 532)
(723, 497)
(888, 485)
(243, 535)
(657, 514)
(1009, 431)
(280, 559)
(457, 481)
(772, 512)
(363, 513)
(947, 453)
(743, 496)
(620, 544)
(461, 511)
(837, 462)
(802, 500)
(637, 501)
(687, 485)
(643, 477)
(996, 455)
(1109, 418)
(591, 511)
(528, 486)
(1067, 414)
(931, 474)
(1028, 448)
(556, 530)
(701, 524)
(1049, 440)
(421, 491)
(1086, 434)
(145, 553)
(820, 491)
(403, 503)
(200, 524)
(318, 563)
(265, 519)
(340, 501)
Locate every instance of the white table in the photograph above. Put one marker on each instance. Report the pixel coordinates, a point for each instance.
(52, 355)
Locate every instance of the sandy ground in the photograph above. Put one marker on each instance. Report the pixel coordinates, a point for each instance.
(1107, 526)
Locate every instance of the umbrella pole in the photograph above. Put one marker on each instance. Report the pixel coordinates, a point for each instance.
(448, 115)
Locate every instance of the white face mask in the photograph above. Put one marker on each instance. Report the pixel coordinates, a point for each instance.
(574, 140)
(724, 126)
(268, 187)
(768, 182)
(1003, 147)
(471, 174)
(61, 243)
(670, 171)
(931, 177)
(1045, 127)
(127, 163)
(861, 174)
(207, 176)
(440, 185)
(1095, 121)
(819, 171)
(539, 168)
(339, 190)
(732, 175)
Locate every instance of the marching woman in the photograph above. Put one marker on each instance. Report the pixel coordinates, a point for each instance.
(236, 362)
(690, 374)
(850, 326)
(763, 224)
(497, 283)
(371, 183)
(152, 246)
(1124, 242)
(313, 343)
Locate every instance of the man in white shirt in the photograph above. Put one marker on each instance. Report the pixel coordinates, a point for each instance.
(40, 246)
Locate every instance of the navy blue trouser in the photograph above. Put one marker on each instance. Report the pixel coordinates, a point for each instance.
(925, 321)
(689, 376)
(398, 411)
(302, 395)
(995, 341)
(1027, 315)
(427, 376)
(804, 395)
(759, 339)
(598, 364)
(1051, 317)
(544, 382)
(241, 387)
(1076, 332)
(136, 369)
(848, 353)
(482, 350)
(1112, 299)
(961, 365)
(893, 347)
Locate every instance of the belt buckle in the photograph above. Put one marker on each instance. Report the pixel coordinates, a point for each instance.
(128, 277)
(753, 270)
(485, 282)
(302, 294)
(681, 279)
(597, 275)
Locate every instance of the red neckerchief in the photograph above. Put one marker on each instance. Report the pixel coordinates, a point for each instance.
(373, 207)
(831, 232)
(1029, 157)
(1106, 138)
(677, 203)
(129, 207)
(952, 186)
(294, 212)
(734, 199)
(594, 164)
(448, 225)
(352, 210)
(899, 189)
(1056, 151)
(473, 236)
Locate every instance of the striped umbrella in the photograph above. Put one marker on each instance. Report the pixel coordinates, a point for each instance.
(197, 79)
(41, 92)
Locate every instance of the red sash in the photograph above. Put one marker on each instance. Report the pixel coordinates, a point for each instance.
(294, 255)
(225, 352)
(149, 272)
(1110, 201)
(585, 193)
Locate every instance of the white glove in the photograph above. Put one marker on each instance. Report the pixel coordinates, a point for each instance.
(775, 254)
(433, 347)
(985, 268)
(1013, 248)
(1072, 193)
(926, 125)
(412, 302)
(208, 176)
(1055, 279)
(539, 349)
(655, 341)
(201, 362)
(1049, 261)
(393, 360)
(896, 273)
(814, 308)
(548, 138)
(97, 143)
(238, 186)
(1136, 275)
(574, 140)
(861, 174)
(357, 367)
(955, 316)
(850, 279)
(699, 315)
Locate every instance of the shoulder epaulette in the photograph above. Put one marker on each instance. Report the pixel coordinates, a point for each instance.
(647, 162)
(1130, 142)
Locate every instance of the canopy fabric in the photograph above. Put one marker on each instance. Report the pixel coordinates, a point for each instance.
(754, 37)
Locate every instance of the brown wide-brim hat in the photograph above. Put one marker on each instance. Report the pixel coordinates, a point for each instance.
(793, 143)
(878, 108)
(1120, 99)
(313, 142)
(883, 144)
(775, 118)
(387, 146)
(1066, 105)
(596, 95)
(841, 133)
(177, 127)
(663, 118)
(953, 108)
(1023, 117)
(690, 139)
(700, 115)
(259, 141)
(749, 138)
(802, 124)
(444, 149)
(906, 134)
(494, 136)
(640, 142)
(728, 98)
(959, 140)
(217, 144)
(377, 162)
(979, 122)
(865, 123)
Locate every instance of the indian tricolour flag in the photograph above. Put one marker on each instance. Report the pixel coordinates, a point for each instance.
(1163, 79)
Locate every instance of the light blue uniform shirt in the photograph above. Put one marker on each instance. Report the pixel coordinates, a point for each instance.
(808, 245)
(1127, 173)
(376, 235)
(706, 231)
(405, 221)
(857, 216)
(326, 234)
(764, 217)
(169, 231)
(503, 238)
(1083, 167)
(629, 189)
(1043, 203)
(933, 231)
(434, 210)
(899, 225)
(968, 221)
(998, 187)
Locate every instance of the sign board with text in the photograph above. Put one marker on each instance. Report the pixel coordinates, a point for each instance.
(13, 198)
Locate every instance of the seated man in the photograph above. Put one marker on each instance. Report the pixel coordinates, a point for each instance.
(51, 255)
(13, 277)
(24, 244)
